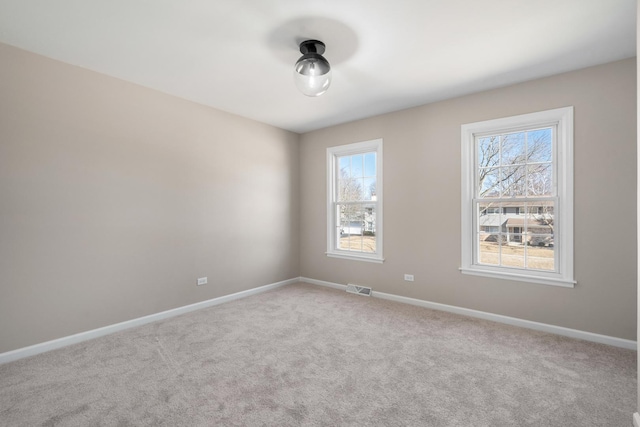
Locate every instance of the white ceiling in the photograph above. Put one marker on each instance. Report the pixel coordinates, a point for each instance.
(386, 55)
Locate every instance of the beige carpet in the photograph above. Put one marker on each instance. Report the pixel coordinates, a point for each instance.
(307, 355)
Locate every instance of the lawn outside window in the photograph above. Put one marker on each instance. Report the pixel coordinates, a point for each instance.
(354, 201)
(517, 198)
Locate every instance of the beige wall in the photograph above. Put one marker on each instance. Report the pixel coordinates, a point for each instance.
(422, 202)
(115, 198)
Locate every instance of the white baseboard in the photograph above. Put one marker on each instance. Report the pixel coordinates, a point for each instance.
(636, 420)
(20, 353)
(558, 330)
(323, 283)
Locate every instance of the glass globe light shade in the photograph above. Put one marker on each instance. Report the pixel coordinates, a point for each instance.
(312, 74)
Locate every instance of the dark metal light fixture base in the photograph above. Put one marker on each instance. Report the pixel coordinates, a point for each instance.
(312, 46)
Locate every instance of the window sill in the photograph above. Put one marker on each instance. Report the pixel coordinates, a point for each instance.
(551, 281)
(355, 257)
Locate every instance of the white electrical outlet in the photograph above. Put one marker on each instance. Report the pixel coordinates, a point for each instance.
(202, 281)
(408, 277)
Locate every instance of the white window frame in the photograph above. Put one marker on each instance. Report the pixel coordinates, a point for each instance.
(562, 120)
(332, 190)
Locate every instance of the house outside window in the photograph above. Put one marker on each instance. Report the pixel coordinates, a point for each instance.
(354, 201)
(490, 210)
(517, 198)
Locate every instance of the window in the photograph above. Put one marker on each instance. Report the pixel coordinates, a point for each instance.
(490, 211)
(517, 198)
(354, 201)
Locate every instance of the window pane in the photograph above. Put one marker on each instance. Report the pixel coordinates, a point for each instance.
(513, 251)
(539, 236)
(539, 145)
(513, 149)
(344, 167)
(488, 249)
(489, 217)
(513, 181)
(541, 252)
(350, 189)
(369, 189)
(489, 151)
(369, 219)
(369, 229)
(370, 164)
(361, 188)
(540, 180)
(357, 228)
(357, 163)
(539, 218)
(489, 182)
(349, 219)
(357, 243)
(489, 233)
(344, 220)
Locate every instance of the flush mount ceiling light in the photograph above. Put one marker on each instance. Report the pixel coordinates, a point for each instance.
(312, 72)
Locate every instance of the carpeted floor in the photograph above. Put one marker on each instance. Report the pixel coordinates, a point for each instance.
(303, 355)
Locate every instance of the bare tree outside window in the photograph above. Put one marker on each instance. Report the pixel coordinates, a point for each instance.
(515, 165)
(356, 191)
(515, 184)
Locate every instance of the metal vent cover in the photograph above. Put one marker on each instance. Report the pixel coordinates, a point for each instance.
(360, 290)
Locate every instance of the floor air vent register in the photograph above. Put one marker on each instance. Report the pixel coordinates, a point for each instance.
(360, 290)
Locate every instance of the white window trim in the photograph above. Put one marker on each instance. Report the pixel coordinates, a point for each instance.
(563, 119)
(332, 154)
